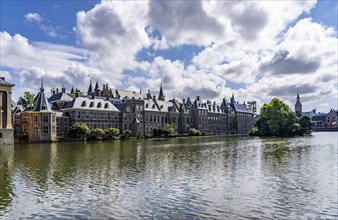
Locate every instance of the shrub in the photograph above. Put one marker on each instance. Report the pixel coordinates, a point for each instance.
(194, 132)
(79, 130)
(97, 133)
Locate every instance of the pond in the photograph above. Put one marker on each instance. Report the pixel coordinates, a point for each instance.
(177, 178)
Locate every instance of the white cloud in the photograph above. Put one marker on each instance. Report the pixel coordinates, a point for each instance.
(33, 17)
(5, 74)
(115, 32)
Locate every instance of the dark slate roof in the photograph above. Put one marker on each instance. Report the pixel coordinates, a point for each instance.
(60, 97)
(199, 104)
(4, 82)
(319, 118)
(41, 103)
(240, 108)
(85, 103)
(121, 105)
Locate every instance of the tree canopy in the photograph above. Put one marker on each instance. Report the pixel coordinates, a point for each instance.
(277, 119)
(26, 100)
(79, 130)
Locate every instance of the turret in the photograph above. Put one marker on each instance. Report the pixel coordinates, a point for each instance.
(161, 95)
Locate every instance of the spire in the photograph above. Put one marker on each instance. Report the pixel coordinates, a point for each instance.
(232, 100)
(42, 89)
(160, 95)
(90, 89)
(140, 89)
(96, 86)
(298, 105)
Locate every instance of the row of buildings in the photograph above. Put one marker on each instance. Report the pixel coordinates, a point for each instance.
(323, 121)
(50, 118)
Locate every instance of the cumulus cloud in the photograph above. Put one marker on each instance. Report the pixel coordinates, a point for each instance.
(115, 31)
(184, 22)
(5, 74)
(33, 17)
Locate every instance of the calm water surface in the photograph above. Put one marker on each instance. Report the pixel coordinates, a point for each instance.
(182, 178)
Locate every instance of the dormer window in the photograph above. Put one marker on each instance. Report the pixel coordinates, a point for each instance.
(99, 105)
(84, 104)
(147, 105)
(91, 104)
(43, 106)
(161, 106)
(106, 105)
(153, 106)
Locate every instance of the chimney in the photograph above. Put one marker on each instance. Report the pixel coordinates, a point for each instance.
(63, 89)
(57, 90)
(183, 101)
(104, 87)
(198, 97)
(154, 97)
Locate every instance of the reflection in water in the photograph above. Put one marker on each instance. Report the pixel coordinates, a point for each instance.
(177, 178)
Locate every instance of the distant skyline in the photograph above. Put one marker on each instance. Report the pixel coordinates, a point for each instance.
(257, 50)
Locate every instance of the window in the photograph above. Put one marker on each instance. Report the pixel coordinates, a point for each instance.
(45, 129)
(99, 105)
(91, 104)
(45, 118)
(36, 129)
(65, 129)
(36, 118)
(53, 129)
(84, 104)
(53, 118)
(106, 105)
(57, 120)
(66, 120)
(58, 130)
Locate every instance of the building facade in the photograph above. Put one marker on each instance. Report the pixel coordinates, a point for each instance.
(6, 128)
(136, 112)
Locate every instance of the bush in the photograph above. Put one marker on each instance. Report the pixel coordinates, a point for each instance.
(194, 132)
(112, 132)
(79, 130)
(97, 133)
(254, 131)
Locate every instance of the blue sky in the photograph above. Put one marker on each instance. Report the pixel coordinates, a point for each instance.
(256, 50)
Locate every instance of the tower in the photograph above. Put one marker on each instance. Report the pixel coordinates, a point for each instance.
(298, 105)
(6, 128)
(90, 89)
(160, 95)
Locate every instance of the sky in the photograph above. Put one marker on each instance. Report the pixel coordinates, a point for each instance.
(256, 50)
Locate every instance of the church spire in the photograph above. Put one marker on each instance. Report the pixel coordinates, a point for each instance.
(90, 89)
(232, 100)
(161, 95)
(42, 89)
(298, 105)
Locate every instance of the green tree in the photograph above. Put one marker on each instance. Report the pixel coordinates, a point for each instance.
(79, 130)
(194, 132)
(306, 124)
(168, 130)
(97, 133)
(276, 119)
(112, 132)
(26, 100)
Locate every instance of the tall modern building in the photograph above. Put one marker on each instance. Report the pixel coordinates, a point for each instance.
(6, 128)
(298, 105)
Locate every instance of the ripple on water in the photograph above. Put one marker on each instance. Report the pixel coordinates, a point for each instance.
(187, 178)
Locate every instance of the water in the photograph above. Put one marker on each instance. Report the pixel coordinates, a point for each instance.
(179, 178)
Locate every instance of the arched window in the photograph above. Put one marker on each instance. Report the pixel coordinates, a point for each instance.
(91, 104)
